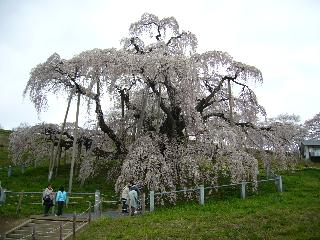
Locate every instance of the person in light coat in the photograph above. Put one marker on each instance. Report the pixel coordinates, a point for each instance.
(125, 198)
(47, 199)
(133, 198)
(61, 198)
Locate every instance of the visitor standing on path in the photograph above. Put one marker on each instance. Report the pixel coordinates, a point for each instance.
(133, 198)
(125, 198)
(61, 199)
(47, 197)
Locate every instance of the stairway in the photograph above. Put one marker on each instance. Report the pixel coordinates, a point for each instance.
(45, 228)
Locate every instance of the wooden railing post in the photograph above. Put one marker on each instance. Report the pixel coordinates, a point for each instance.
(19, 206)
(74, 225)
(151, 201)
(33, 232)
(60, 231)
(89, 213)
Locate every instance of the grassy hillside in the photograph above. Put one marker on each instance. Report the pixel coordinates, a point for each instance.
(35, 180)
(293, 214)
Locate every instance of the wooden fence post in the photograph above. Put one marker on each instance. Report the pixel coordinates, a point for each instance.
(89, 213)
(60, 231)
(33, 232)
(18, 210)
(151, 201)
(74, 225)
(243, 189)
(201, 196)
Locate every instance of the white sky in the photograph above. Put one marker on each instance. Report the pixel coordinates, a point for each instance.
(281, 38)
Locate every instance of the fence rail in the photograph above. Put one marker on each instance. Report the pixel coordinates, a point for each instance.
(277, 180)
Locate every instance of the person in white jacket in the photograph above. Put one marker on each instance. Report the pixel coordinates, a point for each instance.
(133, 197)
(47, 198)
(125, 198)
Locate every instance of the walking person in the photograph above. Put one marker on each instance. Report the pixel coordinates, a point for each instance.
(47, 197)
(61, 199)
(125, 198)
(133, 198)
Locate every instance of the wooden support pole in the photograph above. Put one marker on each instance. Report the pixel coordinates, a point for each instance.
(56, 153)
(74, 148)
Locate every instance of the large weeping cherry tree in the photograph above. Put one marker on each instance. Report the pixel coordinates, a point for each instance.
(179, 118)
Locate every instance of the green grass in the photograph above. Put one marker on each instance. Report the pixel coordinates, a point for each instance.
(35, 180)
(265, 214)
(293, 214)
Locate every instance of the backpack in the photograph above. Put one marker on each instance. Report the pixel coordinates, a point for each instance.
(47, 198)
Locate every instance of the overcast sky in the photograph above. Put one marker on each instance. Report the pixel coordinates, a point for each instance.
(281, 38)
